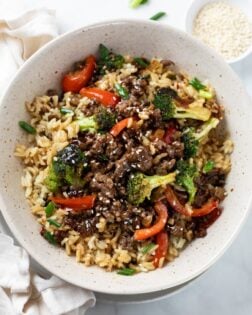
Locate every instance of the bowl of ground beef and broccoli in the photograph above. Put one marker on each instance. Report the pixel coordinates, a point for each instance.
(127, 157)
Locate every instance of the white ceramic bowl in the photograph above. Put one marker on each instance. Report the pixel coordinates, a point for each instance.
(44, 71)
(197, 5)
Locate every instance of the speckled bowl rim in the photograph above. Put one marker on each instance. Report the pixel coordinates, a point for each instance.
(155, 286)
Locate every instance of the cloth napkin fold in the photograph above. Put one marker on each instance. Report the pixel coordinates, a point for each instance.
(21, 36)
(21, 290)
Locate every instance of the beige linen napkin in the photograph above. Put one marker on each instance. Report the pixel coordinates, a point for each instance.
(21, 291)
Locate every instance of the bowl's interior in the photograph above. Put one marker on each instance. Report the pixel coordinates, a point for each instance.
(44, 70)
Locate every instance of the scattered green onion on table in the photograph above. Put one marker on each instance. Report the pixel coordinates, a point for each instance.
(158, 16)
(136, 3)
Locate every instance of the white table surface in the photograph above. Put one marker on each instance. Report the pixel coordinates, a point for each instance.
(227, 287)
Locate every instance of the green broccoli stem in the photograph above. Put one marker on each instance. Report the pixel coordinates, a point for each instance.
(88, 124)
(160, 180)
(206, 128)
(191, 189)
(198, 113)
(140, 186)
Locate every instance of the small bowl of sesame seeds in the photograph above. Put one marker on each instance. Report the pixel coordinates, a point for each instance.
(224, 25)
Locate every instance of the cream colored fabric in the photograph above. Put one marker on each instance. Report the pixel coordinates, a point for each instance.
(22, 292)
(20, 37)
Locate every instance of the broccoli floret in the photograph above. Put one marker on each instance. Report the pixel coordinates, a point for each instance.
(67, 169)
(52, 181)
(192, 139)
(104, 120)
(164, 100)
(108, 60)
(140, 186)
(186, 175)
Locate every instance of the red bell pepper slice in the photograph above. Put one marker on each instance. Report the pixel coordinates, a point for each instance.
(162, 212)
(104, 97)
(206, 221)
(74, 81)
(169, 134)
(162, 241)
(177, 206)
(175, 203)
(120, 126)
(206, 209)
(77, 204)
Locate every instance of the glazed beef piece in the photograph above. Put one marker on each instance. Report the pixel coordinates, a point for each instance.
(103, 183)
(209, 185)
(130, 107)
(203, 223)
(84, 223)
(137, 159)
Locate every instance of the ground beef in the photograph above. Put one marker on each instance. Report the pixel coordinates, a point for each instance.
(140, 159)
(114, 148)
(126, 241)
(60, 235)
(103, 183)
(129, 108)
(84, 223)
(164, 167)
(209, 185)
(136, 86)
(174, 150)
(201, 224)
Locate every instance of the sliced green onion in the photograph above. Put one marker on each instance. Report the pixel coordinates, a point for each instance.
(143, 63)
(26, 127)
(205, 94)
(136, 3)
(122, 91)
(53, 222)
(126, 272)
(50, 238)
(157, 16)
(197, 84)
(208, 166)
(49, 210)
(65, 111)
(147, 248)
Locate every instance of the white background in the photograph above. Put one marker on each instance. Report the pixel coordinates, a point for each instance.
(227, 287)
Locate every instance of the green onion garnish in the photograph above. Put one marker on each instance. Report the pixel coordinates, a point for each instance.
(208, 166)
(147, 248)
(197, 84)
(122, 91)
(53, 222)
(141, 62)
(136, 3)
(126, 272)
(50, 238)
(26, 127)
(65, 111)
(49, 210)
(206, 94)
(157, 16)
